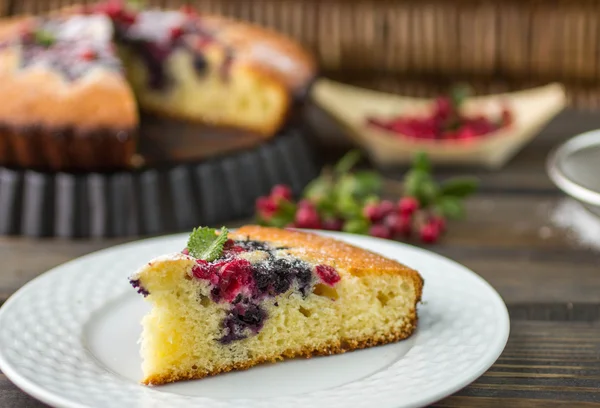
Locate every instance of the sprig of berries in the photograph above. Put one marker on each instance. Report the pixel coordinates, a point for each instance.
(446, 121)
(344, 200)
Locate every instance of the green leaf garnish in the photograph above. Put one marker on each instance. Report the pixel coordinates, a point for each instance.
(348, 161)
(450, 207)
(44, 38)
(421, 162)
(459, 187)
(204, 243)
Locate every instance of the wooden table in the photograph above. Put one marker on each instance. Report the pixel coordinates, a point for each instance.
(551, 286)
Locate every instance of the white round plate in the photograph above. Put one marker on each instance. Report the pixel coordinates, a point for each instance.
(69, 338)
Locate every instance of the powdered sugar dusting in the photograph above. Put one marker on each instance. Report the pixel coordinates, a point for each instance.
(155, 25)
(265, 53)
(583, 227)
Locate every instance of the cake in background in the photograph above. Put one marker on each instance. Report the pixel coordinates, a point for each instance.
(77, 77)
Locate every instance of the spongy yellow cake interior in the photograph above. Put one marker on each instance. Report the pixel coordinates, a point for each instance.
(181, 334)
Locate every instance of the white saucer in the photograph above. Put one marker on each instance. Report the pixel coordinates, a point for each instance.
(69, 339)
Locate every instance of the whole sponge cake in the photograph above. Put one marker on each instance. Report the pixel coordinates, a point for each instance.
(269, 294)
(75, 79)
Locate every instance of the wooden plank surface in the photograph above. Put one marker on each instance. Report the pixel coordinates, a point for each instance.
(550, 283)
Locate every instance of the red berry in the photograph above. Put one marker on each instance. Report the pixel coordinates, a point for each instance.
(327, 274)
(89, 55)
(386, 207)
(380, 231)
(176, 32)
(466, 134)
(408, 205)
(127, 18)
(429, 233)
(443, 107)
(399, 224)
(372, 212)
(266, 207)
(333, 224)
(202, 269)
(281, 192)
(439, 222)
(185, 251)
(307, 217)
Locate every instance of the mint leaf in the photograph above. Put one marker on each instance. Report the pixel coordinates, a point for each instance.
(44, 38)
(348, 161)
(450, 207)
(459, 187)
(421, 162)
(204, 243)
(428, 192)
(413, 182)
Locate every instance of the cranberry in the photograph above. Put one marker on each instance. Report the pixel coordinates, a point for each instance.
(175, 33)
(233, 276)
(327, 274)
(408, 205)
(466, 134)
(185, 251)
(89, 55)
(281, 192)
(230, 247)
(380, 231)
(202, 269)
(399, 224)
(372, 212)
(266, 207)
(333, 224)
(386, 207)
(307, 217)
(443, 107)
(439, 222)
(429, 233)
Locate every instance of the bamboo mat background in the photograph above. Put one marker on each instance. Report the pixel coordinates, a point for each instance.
(420, 47)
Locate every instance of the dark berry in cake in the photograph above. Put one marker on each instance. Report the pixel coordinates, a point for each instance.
(241, 319)
(140, 289)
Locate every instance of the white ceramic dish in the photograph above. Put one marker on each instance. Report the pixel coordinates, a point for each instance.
(575, 168)
(69, 338)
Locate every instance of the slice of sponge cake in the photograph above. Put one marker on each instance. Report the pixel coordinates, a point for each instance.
(270, 294)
